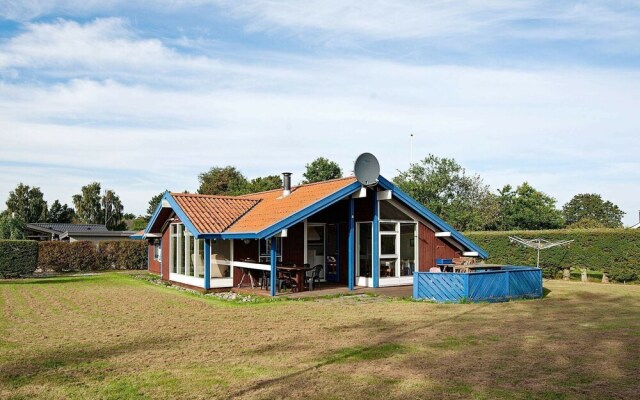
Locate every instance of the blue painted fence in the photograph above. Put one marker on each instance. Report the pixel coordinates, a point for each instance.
(503, 285)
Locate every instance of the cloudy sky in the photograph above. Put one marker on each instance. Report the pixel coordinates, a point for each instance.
(144, 97)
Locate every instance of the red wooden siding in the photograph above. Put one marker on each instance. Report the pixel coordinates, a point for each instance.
(154, 265)
(431, 247)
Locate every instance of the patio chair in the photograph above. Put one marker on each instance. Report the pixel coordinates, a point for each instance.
(310, 281)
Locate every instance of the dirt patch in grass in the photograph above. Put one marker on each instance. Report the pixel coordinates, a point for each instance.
(112, 336)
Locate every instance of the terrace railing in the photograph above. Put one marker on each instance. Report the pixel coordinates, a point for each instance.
(510, 282)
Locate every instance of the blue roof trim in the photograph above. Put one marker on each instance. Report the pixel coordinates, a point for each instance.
(179, 212)
(182, 215)
(156, 212)
(136, 237)
(431, 217)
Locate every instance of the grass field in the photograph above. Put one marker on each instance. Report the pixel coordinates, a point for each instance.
(113, 336)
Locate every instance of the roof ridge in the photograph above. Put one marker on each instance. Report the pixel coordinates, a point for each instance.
(210, 196)
(244, 196)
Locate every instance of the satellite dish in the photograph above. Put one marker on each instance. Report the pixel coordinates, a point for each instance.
(367, 169)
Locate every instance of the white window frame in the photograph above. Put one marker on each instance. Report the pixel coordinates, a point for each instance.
(180, 249)
(397, 279)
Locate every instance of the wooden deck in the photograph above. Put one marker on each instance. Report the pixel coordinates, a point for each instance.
(330, 289)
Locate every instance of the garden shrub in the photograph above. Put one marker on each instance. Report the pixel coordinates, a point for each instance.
(83, 256)
(616, 251)
(123, 254)
(53, 256)
(18, 258)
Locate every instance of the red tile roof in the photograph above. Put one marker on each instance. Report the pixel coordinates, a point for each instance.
(273, 207)
(213, 214)
(254, 212)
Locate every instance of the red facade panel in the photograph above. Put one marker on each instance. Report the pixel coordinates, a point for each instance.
(431, 247)
(154, 265)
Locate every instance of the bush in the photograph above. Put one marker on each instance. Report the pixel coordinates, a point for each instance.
(85, 256)
(123, 254)
(53, 256)
(616, 251)
(18, 258)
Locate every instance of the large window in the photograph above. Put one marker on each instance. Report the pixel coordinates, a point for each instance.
(186, 252)
(220, 259)
(397, 248)
(365, 245)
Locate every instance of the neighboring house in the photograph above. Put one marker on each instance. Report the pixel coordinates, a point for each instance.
(362, 236)
(636, 226)
(74, 232)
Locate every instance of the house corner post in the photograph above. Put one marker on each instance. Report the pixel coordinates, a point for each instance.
(376, 241)
(274, 271)
(351, 245)
(207, 264)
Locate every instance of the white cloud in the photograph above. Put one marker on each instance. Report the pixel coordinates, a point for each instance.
(565, 131)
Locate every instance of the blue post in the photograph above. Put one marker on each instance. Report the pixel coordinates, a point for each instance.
(274, 271)
(338, 255)
(376, 241)
(415, 285)
(351, 245)
(207, 264)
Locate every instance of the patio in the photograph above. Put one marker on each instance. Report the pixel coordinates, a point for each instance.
(331, 289)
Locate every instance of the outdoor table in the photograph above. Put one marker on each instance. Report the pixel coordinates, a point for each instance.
(299, 275)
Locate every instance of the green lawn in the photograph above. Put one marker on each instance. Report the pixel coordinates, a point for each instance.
(113, 336)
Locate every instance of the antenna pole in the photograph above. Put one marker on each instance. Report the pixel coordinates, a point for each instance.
(411, 148)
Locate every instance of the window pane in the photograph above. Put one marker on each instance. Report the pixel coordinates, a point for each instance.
(174, 254)
(364, 253)
(407, 249)
(200, 259)
(388, 244)
(388, 226)
(220, 259)
(387, 267)
(389, 211)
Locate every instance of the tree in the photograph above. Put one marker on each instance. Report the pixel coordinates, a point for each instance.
(443, 186)
(591, 207)
(11, 228)
(138, 224)
(88, 204)
(153, 204)
(113, 211)
(224, 181)
(27, 204)
(59, 213)
(321, 169)
(527, 208)
(93, 208)
(262, 184)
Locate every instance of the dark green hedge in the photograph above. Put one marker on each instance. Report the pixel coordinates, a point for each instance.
(18, 258)
(85, 256)
(616, 251)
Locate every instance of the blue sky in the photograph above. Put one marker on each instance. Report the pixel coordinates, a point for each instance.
(143, 97)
